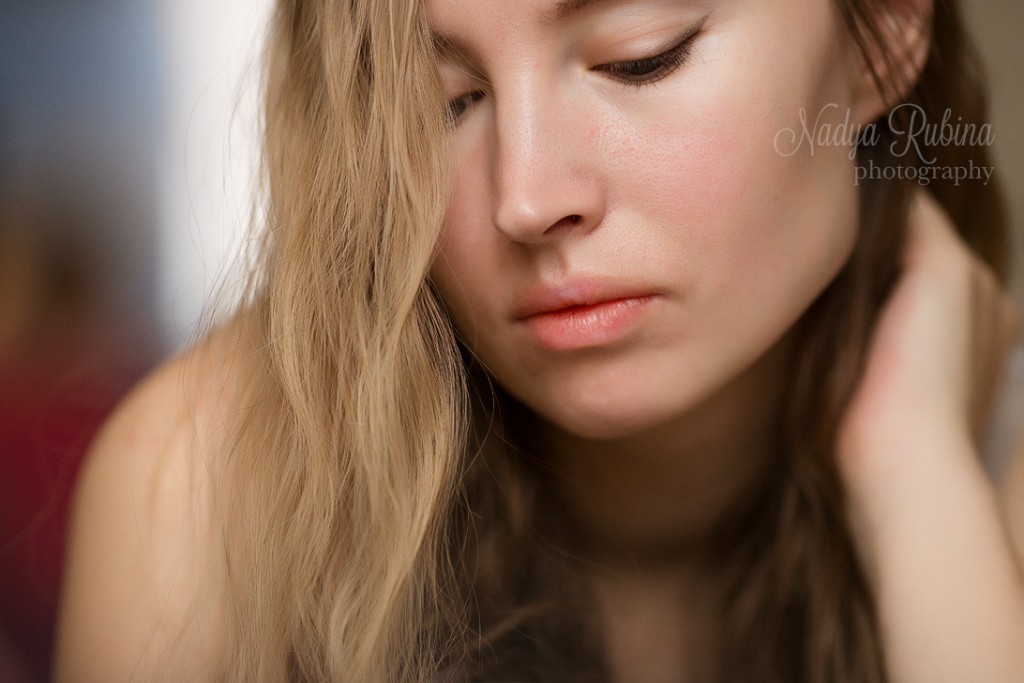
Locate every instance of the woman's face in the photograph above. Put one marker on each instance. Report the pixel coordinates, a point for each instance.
(623, 237)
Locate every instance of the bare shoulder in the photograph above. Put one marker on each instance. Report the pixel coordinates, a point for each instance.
(142, 597)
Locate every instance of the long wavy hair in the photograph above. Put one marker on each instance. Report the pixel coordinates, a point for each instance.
(379, 519)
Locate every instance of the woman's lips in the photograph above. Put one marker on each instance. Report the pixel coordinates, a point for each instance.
(588, 325)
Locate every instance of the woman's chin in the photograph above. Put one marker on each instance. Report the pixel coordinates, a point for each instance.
(603, 419)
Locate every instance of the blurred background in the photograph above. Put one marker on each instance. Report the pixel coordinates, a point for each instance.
(127, 136)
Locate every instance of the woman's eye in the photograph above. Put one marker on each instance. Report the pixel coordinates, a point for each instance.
(458, 106)
(651, 69)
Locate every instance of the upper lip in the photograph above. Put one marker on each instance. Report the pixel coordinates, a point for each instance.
(578, 291)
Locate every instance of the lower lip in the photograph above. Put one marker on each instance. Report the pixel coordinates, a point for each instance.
(583, 327)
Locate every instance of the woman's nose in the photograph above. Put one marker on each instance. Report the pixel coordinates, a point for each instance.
(545, 172)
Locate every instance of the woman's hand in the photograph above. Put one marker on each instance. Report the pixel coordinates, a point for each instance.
(924, 516)
(938, 350)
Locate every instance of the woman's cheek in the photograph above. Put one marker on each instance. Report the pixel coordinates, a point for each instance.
(461, 266)
(755, 225)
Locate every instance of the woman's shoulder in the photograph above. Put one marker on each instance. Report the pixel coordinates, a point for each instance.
(142, 594)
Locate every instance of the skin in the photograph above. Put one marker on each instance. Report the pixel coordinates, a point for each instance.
(676, 188)
(928, 524)
(648, 171)
(676, 184)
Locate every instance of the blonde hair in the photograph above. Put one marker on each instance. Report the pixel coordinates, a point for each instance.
(366, 536)
(349, 436)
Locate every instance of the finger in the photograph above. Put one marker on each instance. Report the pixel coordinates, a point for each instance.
(994, 331)
(932, 239)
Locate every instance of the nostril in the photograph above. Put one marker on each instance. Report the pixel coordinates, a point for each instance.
(575, 218)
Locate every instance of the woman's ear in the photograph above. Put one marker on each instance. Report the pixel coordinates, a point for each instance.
(896, 49)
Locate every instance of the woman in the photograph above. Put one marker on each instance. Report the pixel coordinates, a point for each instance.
(713, 406)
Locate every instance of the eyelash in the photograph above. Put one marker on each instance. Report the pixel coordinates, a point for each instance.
(453, 109)
(641, 72)
(636, 73)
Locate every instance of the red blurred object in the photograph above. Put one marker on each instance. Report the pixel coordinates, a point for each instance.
(52, 402)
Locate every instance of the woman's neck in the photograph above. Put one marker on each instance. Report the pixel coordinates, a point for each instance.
(658, 497)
